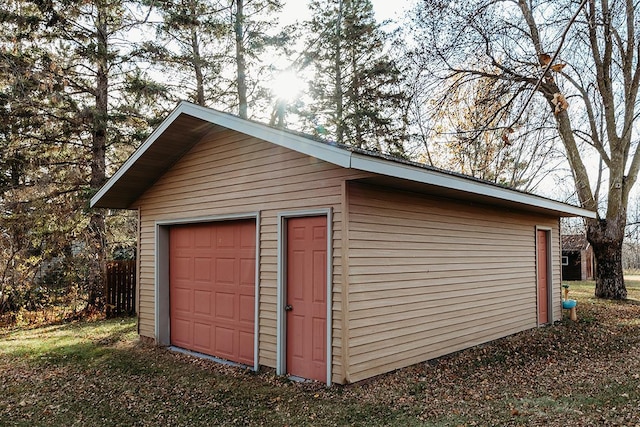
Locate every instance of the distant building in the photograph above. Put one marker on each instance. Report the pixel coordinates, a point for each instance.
(577, 258)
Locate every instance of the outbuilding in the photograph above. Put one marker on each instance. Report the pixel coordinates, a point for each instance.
(270, 248)
(578, 260)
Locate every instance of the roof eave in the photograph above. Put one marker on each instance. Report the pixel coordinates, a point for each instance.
(324, 151)
(425, 176)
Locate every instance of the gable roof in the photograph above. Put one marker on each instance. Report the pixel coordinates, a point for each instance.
(574, 242)
(188, 123)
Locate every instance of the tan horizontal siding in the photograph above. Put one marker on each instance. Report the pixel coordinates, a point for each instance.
(436, 284)
(437, 292)
(441, 345)
(231, 173)
(382, 344)
(429, 276)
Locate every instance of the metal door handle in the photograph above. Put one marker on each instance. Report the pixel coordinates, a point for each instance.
(288, 307)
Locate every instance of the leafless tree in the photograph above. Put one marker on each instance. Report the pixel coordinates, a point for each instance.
(574, 62)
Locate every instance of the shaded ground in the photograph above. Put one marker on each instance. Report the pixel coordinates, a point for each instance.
(581, 373)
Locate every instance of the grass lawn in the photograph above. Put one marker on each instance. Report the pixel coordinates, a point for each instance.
(583, 373)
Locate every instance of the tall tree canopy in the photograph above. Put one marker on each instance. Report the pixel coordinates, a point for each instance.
(188, 48)
(356, 91)
(214, 50)
(575, 62)
(68, 71)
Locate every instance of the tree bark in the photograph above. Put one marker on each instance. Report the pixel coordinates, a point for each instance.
(197, 66)
(338, 88)
(96, 231)
(241, 64)
(606, 236)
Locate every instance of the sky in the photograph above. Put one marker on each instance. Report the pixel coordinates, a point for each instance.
(287, 85)
(384, 9)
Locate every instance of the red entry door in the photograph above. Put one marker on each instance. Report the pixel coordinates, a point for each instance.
(543, 283)
(306, 299)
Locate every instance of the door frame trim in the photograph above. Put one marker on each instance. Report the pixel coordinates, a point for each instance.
(161, 279)
(550, 307)
(281, 327)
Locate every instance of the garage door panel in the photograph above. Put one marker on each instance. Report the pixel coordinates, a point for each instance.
(225, 306)
(202, 335)
(247, 238)
(181, 299)
(212, 288)
(202, 302)
(225, 341)
(181, 240)
(202, 269)
(246, 346)
(226, 271)
(182, 329)
(226, 238)
(182, 267)
(246, 312)
(247, 271)
(202, 237)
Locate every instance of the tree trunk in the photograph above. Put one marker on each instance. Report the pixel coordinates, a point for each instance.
(197, 66)
(606, 236)
(241, 78)
(338, 88)
(96, 231)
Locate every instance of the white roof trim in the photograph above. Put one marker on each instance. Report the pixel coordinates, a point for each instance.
(136, 155)
(322, 151)
(440, 179)
(341, 157)
(319, 150)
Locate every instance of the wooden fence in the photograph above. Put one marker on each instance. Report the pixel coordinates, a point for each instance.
(121, 288)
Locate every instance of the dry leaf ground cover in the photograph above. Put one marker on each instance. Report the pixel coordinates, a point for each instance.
(584, 373)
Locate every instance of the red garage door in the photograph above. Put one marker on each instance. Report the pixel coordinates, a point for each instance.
(212, 287)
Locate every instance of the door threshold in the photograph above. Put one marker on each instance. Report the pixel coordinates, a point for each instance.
(209, 357)
(298, 379)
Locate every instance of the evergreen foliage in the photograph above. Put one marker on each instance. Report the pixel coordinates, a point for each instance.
(67, 68)
(212, 50)
(356, 91)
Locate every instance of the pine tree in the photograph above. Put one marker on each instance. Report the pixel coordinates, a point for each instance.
(215, 49)
(254, 23)
(20, 83)
(70, 113)
(356, 89)
(189, 47)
